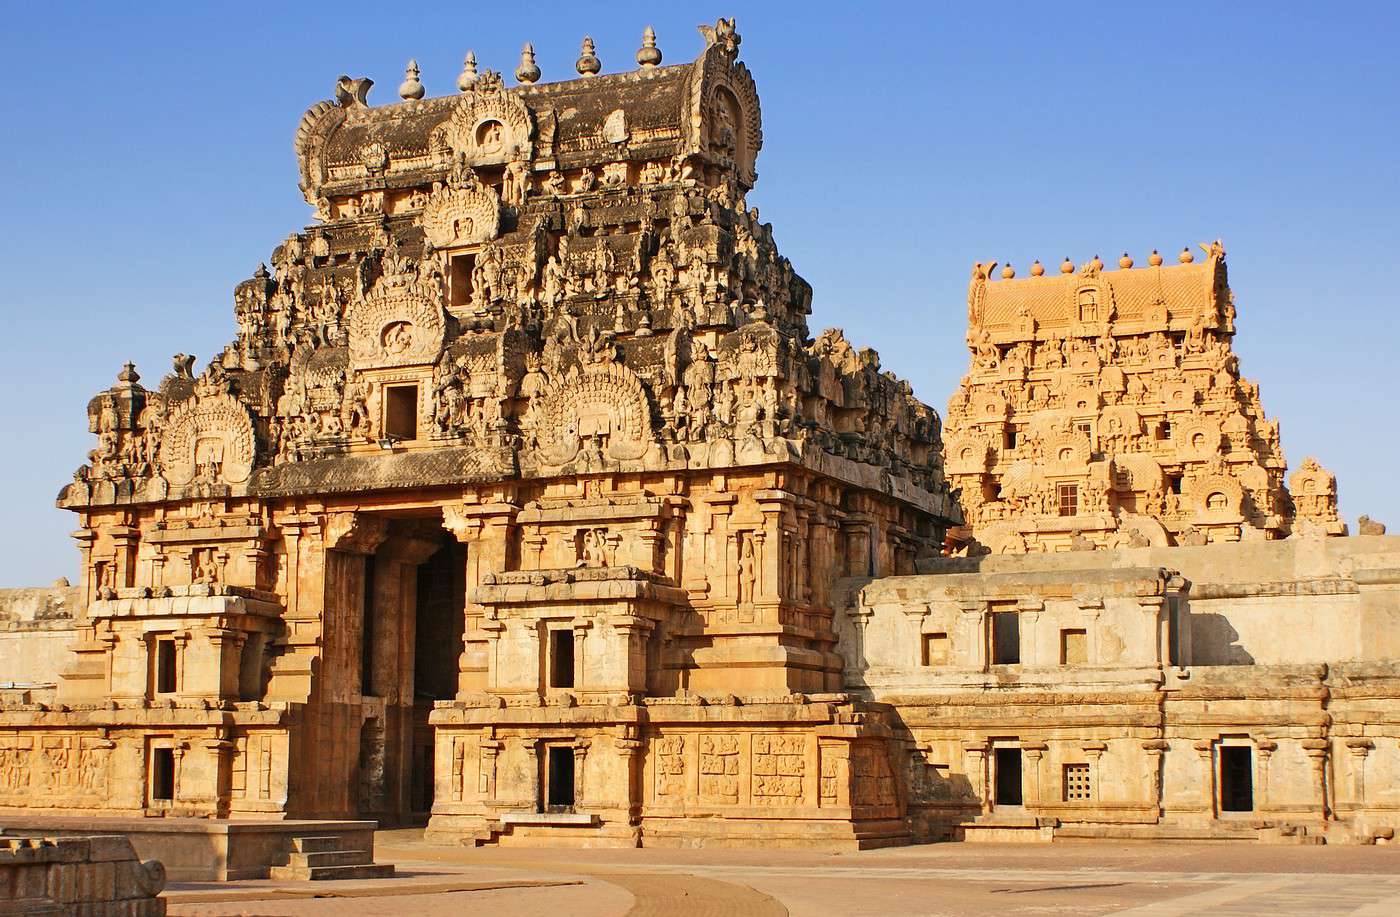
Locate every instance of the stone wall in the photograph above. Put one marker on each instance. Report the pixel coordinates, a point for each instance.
(1253, 695)
(98, 876)
(1299, 601)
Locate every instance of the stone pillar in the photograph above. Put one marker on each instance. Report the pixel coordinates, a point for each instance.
(1093, 753)
(629, 748)
(1031, 644)
(1034, 753)
(581, 747)
(975, 758)
(1155, 749)
(1265, 749)
(1359, 749)
(972, 622)
(1206, 750)
(490, 760)
(533, 789)
(1316, 749)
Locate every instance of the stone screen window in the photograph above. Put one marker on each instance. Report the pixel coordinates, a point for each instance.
(1083, 427)
(1006, 638)
(1069, 499)
(561, 658)
(1074, 646)
(401, 412)
(1077, 786)
(935, 649)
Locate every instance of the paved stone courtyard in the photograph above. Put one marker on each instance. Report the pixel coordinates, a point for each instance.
(945, 879)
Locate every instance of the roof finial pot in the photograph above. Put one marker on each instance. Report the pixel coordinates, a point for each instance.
(528, 71)
(649, 55)
(1186, 257)
(1126, 261)
(467, 79)
(411, 87)
(1008, 272)
(588, 63)
(1067, 266)
(1155, 259)
(1037, 269)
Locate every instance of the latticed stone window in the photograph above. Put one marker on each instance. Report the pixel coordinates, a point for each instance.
(1077, 784)
(1069, 499)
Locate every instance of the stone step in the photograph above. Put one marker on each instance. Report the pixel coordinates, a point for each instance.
(1156, 833)
(323, 873)
(312, 844)
(332, 858)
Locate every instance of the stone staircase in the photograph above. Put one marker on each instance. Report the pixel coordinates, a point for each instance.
(319, 858)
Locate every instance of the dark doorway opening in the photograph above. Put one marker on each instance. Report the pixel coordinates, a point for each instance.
(1236, 778)
(1006, 638)
(559, 785)
(1008, 778)
(561, 658)
(163, 774)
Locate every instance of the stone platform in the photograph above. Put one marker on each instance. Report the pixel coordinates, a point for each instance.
(208, 849)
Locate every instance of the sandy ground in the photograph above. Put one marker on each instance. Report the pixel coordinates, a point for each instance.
(942, 879)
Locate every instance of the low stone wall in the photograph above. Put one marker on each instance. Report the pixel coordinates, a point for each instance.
(96, 876)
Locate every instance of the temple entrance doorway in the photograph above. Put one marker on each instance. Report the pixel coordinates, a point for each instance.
(1008, 778)
(1236, 779)
(413, 618)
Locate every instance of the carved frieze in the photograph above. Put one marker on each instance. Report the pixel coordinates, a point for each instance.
(598, 413)
(209, 440)
(400, 323)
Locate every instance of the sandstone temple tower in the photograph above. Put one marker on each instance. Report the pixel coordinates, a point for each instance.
(519, 495)
(1105, 408)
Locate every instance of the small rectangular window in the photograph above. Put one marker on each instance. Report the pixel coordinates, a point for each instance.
(1174, 482)
(1076, 783)
(1011, 439)
(935, 650)
(163, 774)
(1085, 428)
(401, 412)
(561, 658)
(166, 675)
(1069, 499)
(460, 279)
(1074, 646)
(1006, 638)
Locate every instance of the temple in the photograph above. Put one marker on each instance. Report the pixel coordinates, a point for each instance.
(525, 505)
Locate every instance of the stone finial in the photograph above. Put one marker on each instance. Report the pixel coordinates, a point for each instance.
(1008, 272)
(588, 63)
(1126, 261)
(1067, 266)
(1097, 263)
(1155, 259)
(1186, 257)
(129, 375)
(1037, 269)
(528, 71)
(467, 78)
(648, 55)
(411, 87)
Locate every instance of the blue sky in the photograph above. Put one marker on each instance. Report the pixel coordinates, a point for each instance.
(148, 165)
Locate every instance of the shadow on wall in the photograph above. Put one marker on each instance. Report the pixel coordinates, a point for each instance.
(1215, 642)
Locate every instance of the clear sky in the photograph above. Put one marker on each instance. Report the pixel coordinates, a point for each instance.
(148, 167)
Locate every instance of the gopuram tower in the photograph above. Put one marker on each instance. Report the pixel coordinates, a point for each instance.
(518, 499)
